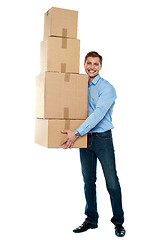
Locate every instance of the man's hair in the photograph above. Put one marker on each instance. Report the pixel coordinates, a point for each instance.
(93, 54)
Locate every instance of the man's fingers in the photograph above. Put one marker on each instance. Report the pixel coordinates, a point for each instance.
(64, 131)
(69, 140)
(69, 144)
(64, 141)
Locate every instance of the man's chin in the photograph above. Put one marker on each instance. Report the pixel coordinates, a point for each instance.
(92, 76)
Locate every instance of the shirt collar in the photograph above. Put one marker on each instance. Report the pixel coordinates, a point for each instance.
(96, 79)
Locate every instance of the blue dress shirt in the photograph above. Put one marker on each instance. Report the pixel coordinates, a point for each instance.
(101, 100)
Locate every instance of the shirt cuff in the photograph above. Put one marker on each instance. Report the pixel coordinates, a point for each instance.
(81, 131)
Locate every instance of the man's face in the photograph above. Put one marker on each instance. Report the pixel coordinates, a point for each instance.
(92, 66)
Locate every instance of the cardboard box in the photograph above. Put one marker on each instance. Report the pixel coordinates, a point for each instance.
(60, 55)
(60, 22)
(48, 132)
(61, 95)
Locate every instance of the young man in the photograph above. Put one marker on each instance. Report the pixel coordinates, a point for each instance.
(98, 125)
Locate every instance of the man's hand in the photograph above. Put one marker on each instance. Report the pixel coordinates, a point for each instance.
(69, 140)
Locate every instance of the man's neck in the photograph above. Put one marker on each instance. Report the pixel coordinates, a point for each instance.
(91, 79)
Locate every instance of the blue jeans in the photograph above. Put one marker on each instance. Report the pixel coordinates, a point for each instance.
(100, 145)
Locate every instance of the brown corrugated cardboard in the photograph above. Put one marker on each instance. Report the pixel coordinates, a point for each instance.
(61, 95)
(48, 132)
(60, 22)
(60, 55)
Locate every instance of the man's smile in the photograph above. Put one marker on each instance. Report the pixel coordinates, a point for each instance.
(92, 71)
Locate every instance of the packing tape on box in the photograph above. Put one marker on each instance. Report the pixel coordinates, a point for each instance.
(64, 42)
(64, 32)
(63, 67)
(67, 124)
(66, 112)
(64, 38)
(67, 77)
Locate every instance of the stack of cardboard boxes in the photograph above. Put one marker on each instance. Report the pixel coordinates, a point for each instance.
(61, 92)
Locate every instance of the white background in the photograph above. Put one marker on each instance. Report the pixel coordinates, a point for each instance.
(41, 190)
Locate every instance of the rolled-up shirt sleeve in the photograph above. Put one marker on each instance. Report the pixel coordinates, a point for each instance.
(107, 97)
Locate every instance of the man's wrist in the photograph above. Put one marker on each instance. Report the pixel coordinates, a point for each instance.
(77, 134)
